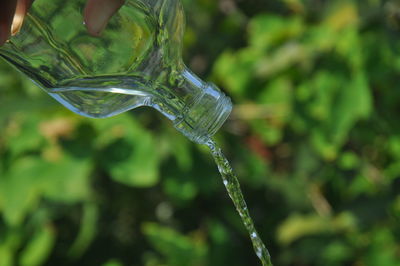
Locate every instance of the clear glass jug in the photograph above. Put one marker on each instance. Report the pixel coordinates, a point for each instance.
(135, 61)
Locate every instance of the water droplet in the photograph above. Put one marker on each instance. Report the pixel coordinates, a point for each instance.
(253, 235)
(225, 182)
(259, 253)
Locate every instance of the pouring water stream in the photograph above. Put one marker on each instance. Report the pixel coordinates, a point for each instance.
(233, 188)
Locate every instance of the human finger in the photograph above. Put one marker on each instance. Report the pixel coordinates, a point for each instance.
(7, 11)
(98, 12)
(20, 12)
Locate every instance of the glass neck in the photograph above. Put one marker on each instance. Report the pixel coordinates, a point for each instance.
(197, 109)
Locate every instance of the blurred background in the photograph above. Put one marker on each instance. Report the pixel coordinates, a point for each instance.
(314, 139)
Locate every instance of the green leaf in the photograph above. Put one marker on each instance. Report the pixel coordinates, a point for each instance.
(354, 103)
(298, 226)
(10, 242)
(348, 160)
(32, 177)
(6, 256)
(67, 180)
(39, 248)
(141, 167)
(179, 250)
(276, 96)
(23, 134)
(20, 189)
(180, 190)
(130, 157)
(233, 72)
(268, 30)
(383, 248)
(337, 252)
(87, 230)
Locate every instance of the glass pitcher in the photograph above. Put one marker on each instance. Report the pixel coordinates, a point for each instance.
(135, 61)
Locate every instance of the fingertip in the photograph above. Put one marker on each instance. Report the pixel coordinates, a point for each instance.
(6, 16)
(97, 13)
(20, 12)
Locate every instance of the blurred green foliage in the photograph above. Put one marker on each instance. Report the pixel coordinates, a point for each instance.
(313, 138)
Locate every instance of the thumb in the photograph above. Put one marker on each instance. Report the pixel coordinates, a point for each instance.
(20, 12)
(98, 12)
(7, 10)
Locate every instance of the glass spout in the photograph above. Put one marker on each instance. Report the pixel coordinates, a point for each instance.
(205, 108)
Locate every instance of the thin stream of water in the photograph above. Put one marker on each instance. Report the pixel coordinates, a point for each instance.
(233, 187)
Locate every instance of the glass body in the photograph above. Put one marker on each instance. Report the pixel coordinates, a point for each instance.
(136, 61)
